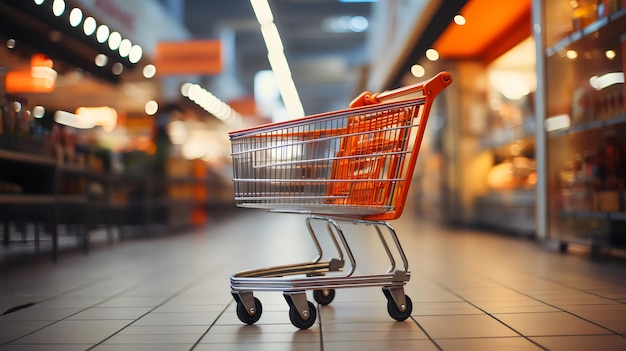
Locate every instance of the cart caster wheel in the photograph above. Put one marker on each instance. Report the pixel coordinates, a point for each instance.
(298, 321)
(396, 313)
(324, 297)
(563, 246)
(245, 316)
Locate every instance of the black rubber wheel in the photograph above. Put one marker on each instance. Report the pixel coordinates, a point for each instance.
(563, 246)
(324, 297)
(298, 321)
(395, 312)
(247, 318)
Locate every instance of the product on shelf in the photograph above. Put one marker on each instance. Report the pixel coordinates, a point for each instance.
(9, 187)
(595, 180)
(518, 173)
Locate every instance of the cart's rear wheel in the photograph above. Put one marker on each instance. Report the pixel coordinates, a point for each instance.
(324, 297)
(398, 314)
(246, 316)
(300, 322)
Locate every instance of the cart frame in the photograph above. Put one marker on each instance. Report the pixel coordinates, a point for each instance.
(350, 166)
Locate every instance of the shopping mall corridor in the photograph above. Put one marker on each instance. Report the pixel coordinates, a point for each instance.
(471, 290)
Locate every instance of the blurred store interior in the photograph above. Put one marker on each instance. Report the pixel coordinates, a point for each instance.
(115, 113)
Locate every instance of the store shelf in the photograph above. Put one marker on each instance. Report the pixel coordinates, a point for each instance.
(71, 199)
(585, 32)
(588, 126)
(17, 156)
(72, 168)
(507, 136)
(590, 149)
(612, 216)
(26, 199)
(516, 206)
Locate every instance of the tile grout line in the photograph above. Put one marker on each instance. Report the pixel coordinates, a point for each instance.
(212, 324)
(577, 289)
(66, 292)
(485, 312)
(319, 312)
(551, 305)
(174, 295)
(426, 333)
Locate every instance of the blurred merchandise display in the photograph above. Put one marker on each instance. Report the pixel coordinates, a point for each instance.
(586, 123)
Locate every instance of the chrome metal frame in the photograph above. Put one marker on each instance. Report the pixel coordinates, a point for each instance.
(278, 278)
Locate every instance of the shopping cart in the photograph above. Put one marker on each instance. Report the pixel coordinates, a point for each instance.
(353, 165)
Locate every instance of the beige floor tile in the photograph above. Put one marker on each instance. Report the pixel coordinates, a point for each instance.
(583, 343)
(463, 326)
(483, 344)
(551, 323)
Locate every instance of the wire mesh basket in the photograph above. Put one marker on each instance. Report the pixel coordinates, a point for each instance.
(350, 163)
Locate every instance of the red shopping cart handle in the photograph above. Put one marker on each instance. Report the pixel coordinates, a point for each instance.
(429, 88)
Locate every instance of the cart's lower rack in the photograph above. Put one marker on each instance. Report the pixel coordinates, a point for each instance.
(295, 279)
(317, 283)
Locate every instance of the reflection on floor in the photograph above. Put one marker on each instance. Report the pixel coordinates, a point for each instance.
(470, 291)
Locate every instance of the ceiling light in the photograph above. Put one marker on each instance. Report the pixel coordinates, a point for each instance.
(151, 107)
(279, 65)
(432, 54)
(571, 54)
(345, 24)
(117, 68)
(272, 38)
(76, 16)
(418, 71)
(149, 71)
(115, 39)
(125, 47)
(89, 26)
(610, 54)
(101, 60)
(277, 59)
(262, 11)
(460, 20)
(58, 7)
(38, 2)
(193, 92)
(358, 24)
(184, 89)
(135, 54)
(39, 111)
(102, 34)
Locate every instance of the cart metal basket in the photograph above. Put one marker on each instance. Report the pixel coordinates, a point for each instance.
(353, 165)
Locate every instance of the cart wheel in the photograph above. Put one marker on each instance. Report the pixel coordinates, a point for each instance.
(563, 246)
(245, 316)
(298, 321)
(395, 312)
(324, 297)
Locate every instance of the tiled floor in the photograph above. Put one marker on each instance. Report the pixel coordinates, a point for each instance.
(470, 291)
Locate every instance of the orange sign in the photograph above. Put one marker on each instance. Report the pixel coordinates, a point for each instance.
(41, 78)
(188, 57)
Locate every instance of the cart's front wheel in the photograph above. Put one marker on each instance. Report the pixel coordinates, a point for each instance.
(300, 322)
(249, 317)
(398, 314)
(324, 297)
